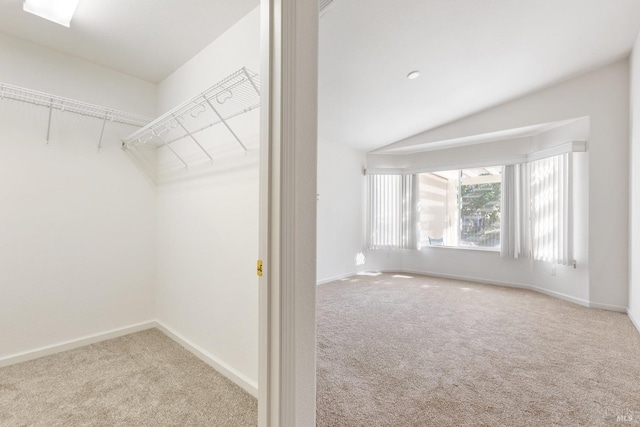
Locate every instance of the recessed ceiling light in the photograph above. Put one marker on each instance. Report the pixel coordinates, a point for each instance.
(58, 11)
(413, 75)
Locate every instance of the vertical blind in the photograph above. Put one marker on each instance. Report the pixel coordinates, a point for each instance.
(515, 223)
(536, 215)
(536, 208)
(551, 208)
(392, 216)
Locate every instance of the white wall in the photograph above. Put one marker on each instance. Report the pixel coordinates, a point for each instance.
(340, 215)
(634, 263)
(207, 229)
(600, 201)
(77, 252)
(36, 67)
(238, 47)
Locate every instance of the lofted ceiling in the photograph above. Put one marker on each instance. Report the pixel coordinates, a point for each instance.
(148, 39)
(472, 54)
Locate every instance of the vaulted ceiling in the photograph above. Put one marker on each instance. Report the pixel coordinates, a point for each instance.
(472, 54)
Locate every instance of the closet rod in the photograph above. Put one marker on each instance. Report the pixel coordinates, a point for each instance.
(62, 104)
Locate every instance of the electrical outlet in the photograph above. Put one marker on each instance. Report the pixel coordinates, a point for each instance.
(553, 270)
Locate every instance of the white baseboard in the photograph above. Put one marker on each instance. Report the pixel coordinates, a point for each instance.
(608, 307)
(241, 380)
(334, 278)
(550, 293)
(238, 378)
(72, 344)
(569, 298)
(634, 321)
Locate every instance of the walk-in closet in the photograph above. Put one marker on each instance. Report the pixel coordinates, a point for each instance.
(129, 191)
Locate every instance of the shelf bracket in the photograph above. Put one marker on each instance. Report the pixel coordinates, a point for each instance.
(192, 137)
(224, 122)
(49, 121)
(104, 123)
(173, 151)
(251, 80)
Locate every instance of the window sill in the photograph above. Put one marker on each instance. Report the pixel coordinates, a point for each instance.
(463, 248)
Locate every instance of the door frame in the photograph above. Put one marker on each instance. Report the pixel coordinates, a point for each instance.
(287, 248)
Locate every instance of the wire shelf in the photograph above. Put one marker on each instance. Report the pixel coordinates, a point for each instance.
(235, 95)
(54, 102)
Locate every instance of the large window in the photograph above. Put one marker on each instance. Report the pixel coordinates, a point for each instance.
(523, 210)
(460, 208)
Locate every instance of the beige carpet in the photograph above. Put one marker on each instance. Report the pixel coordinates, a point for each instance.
(422, 351)
(142, 379)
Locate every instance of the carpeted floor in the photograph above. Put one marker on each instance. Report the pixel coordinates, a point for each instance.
(142, 379)
(420, 351)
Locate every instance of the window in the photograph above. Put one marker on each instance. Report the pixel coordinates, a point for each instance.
(523, 210)
(460, 208)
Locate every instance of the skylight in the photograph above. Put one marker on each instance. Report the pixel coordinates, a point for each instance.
(58, 11)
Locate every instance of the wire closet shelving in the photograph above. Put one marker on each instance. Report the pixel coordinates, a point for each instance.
(237, 94)
(61, 104)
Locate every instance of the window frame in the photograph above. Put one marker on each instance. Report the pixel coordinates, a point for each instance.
(458, 227)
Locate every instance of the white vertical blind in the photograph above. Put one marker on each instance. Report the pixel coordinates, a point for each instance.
(410, 191)
(551, 209)
(391, 222)
(515, 225)
(537, 216)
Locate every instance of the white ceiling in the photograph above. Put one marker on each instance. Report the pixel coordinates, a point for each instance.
(148, 39)
(472, 54)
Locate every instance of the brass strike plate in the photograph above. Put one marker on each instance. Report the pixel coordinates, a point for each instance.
(259, 268)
